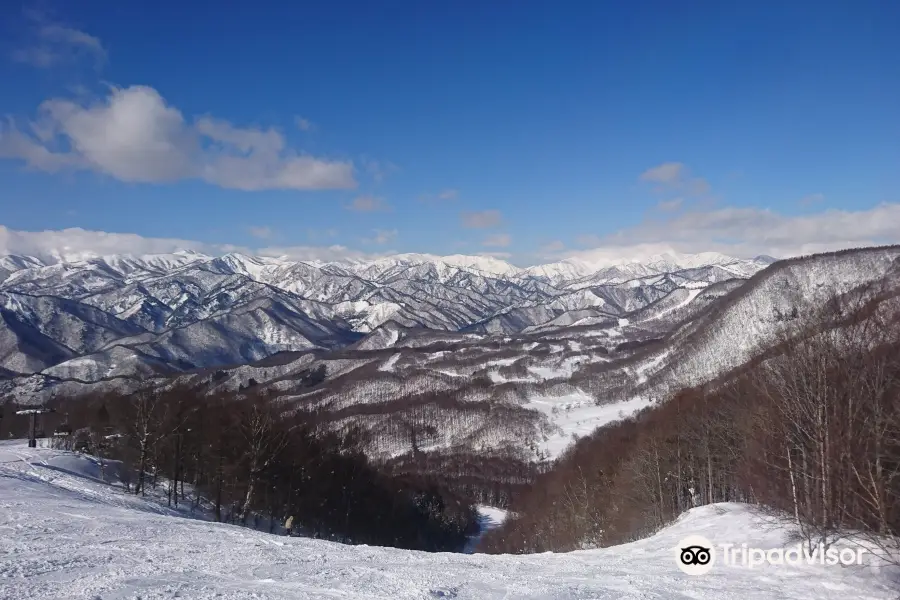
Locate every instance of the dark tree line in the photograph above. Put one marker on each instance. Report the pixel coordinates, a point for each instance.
(251, 461)
(810, 431)
(492, 480)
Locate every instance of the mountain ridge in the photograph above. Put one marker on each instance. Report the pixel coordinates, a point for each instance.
(659, 262)
(120, 316)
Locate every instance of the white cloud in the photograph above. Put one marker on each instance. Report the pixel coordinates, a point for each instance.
(444, 195)
(674, 176)
(382, 236)
(133, 135)
(78, 244)
(317, 253)
(368, 203)
(262, 233)
(742, 232)
(670, 205)
(51, 44)
(747, 232)
(666, 173)
(303, 124)
(481, 219)
(497, 240)
(378, 170)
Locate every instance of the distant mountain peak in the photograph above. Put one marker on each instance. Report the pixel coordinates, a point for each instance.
(667, 259)
(580, 265)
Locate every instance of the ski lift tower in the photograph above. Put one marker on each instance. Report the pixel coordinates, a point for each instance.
(33, 413)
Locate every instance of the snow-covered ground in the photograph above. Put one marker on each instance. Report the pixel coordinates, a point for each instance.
(389, 363)
(490, 518)
(64, 533)
(577, 415)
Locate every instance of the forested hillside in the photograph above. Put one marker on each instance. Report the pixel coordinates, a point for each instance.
(256, 464)
(810, 430)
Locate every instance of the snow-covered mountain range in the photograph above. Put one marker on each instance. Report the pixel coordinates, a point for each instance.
(416, 351)
(188, 310)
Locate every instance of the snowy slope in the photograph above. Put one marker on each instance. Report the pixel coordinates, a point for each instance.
(64, 534)
(772, 303)
(576, 415)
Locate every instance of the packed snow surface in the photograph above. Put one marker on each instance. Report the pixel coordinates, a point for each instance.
(65, 533)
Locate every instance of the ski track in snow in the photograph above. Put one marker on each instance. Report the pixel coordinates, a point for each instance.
(66, 535)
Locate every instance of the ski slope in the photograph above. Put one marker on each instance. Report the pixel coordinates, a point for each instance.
(65, 533)
(576, 415)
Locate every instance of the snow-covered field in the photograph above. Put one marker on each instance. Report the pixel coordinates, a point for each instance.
(64, 533)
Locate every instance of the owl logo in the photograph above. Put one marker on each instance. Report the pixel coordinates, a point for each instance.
(695, 555)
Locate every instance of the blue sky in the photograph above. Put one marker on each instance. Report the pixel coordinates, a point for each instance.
(528, 130)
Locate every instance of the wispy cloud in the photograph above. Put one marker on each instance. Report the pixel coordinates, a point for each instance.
(134, 135)
(315, 234)
(332, 253)
(666, 173)
(50, 44)
(554, 246)
(670, 205)
(444, 195)
(481, 219)
(368, 203)
(747, 232)
(674, 176)
(75, 243)
(381, 236)
(497, 240)
(303, 124)
(378, 170)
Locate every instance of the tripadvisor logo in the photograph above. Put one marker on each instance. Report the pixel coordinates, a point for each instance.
(696, 555)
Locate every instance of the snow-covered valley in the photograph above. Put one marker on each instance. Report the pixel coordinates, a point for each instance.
(66, 534)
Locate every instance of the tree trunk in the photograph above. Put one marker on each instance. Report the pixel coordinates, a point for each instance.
(248, 498)
(142, 464)
(793, 484)
(219, 489)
